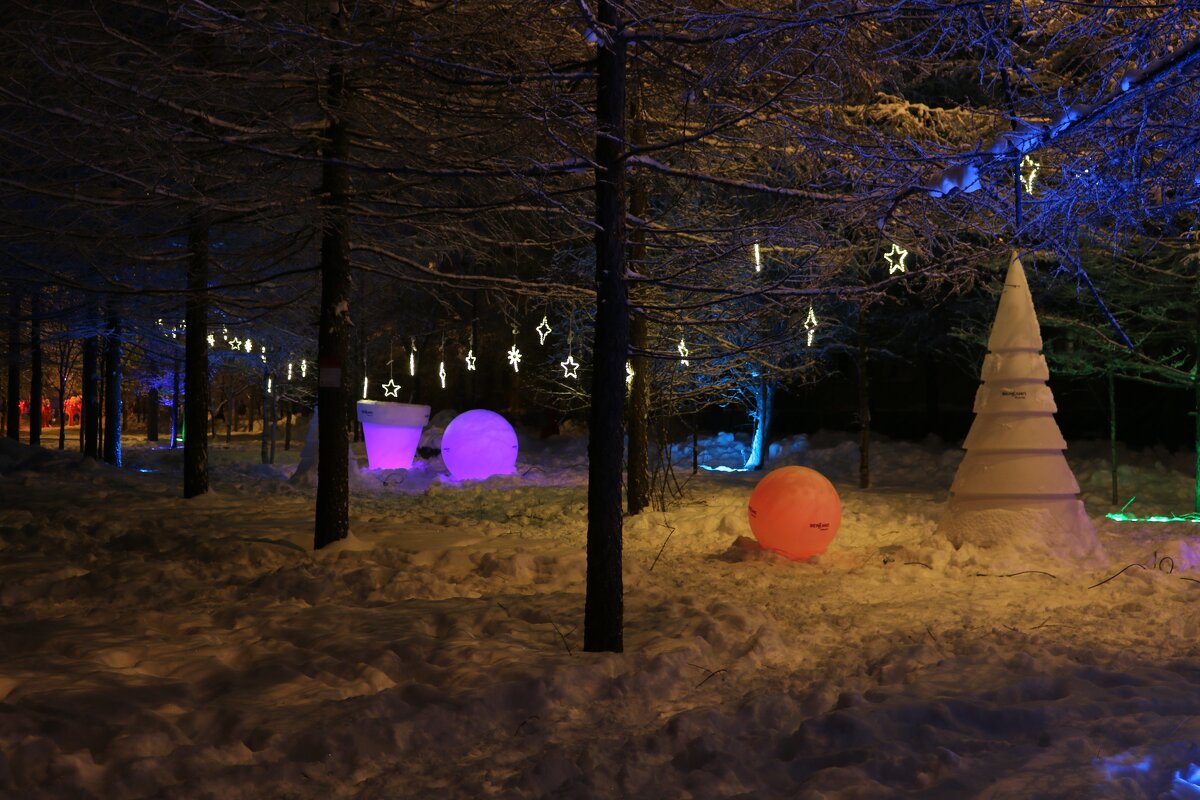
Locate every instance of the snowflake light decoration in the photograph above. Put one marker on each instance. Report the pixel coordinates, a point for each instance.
(514, 358)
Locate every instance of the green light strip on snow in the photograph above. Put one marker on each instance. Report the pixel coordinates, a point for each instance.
(1121, 516)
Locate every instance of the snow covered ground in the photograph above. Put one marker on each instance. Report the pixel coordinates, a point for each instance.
(152, 647)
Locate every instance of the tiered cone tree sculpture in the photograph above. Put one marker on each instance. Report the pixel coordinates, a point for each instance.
(1014, 489)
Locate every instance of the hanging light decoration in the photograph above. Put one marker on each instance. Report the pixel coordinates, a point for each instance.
(683, 353)
(514, 358)
(442, 373)
(391, 388)
(810, 325)
(757, 258)
(470, 359)
(543, 330)
(895, 259)
(1029, 171)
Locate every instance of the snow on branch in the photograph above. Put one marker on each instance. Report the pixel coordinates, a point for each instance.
(1029, 136)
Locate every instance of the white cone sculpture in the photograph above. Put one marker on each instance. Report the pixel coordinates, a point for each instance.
(1014, 489)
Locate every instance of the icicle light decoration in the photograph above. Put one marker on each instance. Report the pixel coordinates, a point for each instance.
(683, 353)
(757, 258)
(442, 373)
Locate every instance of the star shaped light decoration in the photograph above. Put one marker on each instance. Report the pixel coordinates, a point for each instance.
(391, 389)
(810, 325)
(543, 330)
(470, 359)
(514, 358)
(895, 259)
(1029, 171)
(235, 343)
(683, 353)
(570, 367)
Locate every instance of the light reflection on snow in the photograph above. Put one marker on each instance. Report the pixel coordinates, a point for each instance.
(1187, 786)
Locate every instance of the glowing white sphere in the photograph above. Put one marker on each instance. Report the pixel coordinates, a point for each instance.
(478, 444)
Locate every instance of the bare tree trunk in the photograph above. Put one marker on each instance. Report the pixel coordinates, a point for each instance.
(62, 408)
(13, 412)
(274, 417)
(603, 616)
(35, 370)
(195, 365)
(638, 420)
(175, 401)
(113, 401)
(764, 401)
(289, 407)
(90, 412)
(152, 415)
(333, 469)
(265, 441)
(864, 407)
(1112, 435)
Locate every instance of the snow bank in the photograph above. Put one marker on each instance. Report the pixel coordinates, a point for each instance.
(155, 647)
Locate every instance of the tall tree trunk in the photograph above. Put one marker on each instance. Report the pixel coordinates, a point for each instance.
(90, 412)
(638, 415)
(152, 415)
(113, 401)
(35, 370)
(603, 617)
(274, 417)
(764, 401)
(195, 365)
(1112, 435)
(13, 412)
(175, 419)
(638, 419)
(265, 441)
(333, 469)
(62, 408)
(864, 406)
(289, 407)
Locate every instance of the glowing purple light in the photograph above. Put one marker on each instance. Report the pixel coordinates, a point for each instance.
(392, 432)
(479, 443)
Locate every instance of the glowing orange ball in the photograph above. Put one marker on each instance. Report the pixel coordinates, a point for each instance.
(795, 511)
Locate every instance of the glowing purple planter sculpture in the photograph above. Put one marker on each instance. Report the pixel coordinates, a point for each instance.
(478, 444)
(392, 431)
